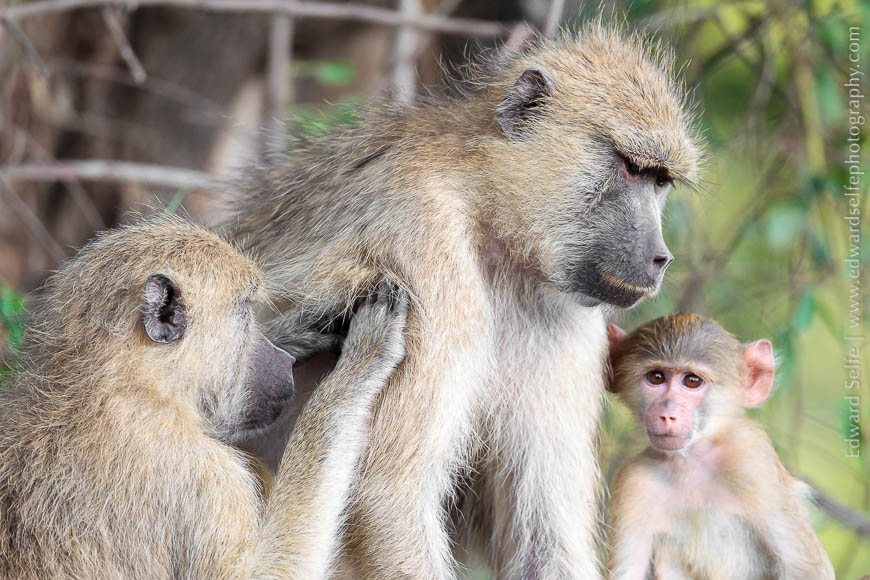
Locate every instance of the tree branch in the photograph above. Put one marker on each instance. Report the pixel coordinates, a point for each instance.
(848, 517)
(116, 28)
(33, 223)
(407, 44)
(280, 89)
(554, 15)
(105, 170)
(26, 46)
(293, 8)
(79, 195)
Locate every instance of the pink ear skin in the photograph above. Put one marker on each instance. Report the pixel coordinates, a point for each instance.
(760, 369)
(615, 336)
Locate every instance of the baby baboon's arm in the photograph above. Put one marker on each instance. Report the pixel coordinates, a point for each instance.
(303, 515)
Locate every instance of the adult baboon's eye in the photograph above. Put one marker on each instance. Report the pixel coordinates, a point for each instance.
(663, 183)
(693, 381)
(655, 377)
(631, 167)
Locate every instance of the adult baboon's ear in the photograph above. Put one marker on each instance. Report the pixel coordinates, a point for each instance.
(518, 106)
(165, 315)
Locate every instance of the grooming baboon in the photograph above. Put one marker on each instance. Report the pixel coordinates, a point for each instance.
(708, 498)
(514, 213)
(143, 363)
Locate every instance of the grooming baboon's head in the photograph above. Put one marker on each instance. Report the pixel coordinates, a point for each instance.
(169, 305)
(592, 132)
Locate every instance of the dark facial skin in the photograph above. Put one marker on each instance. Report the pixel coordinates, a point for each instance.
(269, 374)
(269, 382)
(627, 255)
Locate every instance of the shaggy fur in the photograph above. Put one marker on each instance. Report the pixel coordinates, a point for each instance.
(492, 235)
(114, 460)
(723, 506)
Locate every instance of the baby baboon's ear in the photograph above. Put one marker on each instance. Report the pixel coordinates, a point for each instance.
(164, 315)
(615, 337)
(517, 109)
(761, 368)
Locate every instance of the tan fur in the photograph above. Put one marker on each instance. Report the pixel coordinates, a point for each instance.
(108, 468)
(723, 507)
(504, 366)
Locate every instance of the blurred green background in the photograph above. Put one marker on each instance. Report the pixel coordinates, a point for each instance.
(759, 246)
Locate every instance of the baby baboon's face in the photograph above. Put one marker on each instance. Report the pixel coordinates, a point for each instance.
(236, 378)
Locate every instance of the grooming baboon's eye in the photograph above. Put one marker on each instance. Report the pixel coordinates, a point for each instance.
(655, 377)
(693, 381)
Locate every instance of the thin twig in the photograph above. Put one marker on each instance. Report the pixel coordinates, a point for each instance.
(554, 16)
(518, 37)
(78, 193)
(294, 8)
(848, 517)
(33, 223)
(154, 85)
(445, 8)
(672, 17)
(424, 39)
(716, 262)
(106, 170)
(116, 28)
(29, 50)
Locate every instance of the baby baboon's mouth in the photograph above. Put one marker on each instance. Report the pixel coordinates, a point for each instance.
(668, 442)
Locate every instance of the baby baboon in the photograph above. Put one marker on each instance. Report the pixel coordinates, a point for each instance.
(515, 214)
(708, 498)
(142, 363)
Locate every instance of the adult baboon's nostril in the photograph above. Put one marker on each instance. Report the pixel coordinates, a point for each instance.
(658, 262)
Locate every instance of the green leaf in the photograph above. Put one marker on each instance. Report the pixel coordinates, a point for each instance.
(784, 223)
(12, 314)
(828, 96)
(804, 312)
(334, 74)
(783, 343)
(176, 201)
(316, 122)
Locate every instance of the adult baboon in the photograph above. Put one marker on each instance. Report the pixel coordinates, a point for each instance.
(143, 363)
(514, 214)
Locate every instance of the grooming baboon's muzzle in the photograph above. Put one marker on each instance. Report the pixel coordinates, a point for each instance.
(269, 382)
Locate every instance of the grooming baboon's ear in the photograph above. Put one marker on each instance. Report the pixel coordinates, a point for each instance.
(518, 106)
(165, 315)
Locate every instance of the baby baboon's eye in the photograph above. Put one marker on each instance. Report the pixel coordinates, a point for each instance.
(655, 377)
(693, 381)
